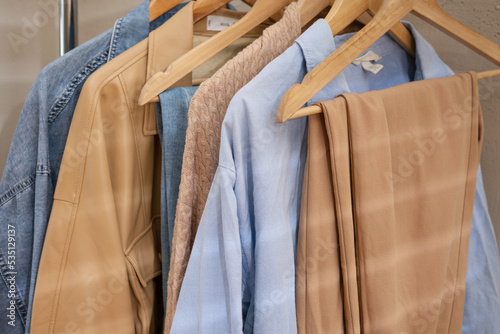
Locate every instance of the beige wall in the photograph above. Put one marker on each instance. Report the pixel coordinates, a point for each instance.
(19, 67)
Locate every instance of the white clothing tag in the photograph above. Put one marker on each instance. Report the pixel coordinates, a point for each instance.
(366, 62)
(219, 23)
(369, 56)
(374, 68)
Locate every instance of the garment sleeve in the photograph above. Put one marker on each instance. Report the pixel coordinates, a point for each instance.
(26, 191)
(482, 285)
(210, 300)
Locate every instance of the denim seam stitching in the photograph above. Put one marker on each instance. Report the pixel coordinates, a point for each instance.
(114, 40)
(17, 189)
(42, 169)
(81, 76)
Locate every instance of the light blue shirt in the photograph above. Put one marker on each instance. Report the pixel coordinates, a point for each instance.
(241, 273)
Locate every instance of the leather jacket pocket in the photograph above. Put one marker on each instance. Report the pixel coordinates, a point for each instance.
(143, 265)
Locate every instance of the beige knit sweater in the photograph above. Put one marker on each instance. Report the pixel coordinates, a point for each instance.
(201, 153)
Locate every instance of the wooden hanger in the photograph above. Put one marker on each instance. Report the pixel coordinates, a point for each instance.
(275, 17)
(388, 13)
(309, 9)
(159, 7)
(202, 8)
(161, 81)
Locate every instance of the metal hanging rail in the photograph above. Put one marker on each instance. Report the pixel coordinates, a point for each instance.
(68, 25)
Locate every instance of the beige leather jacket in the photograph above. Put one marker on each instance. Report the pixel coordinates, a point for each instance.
(101, 256)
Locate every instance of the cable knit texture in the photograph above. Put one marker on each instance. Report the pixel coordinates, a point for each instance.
(201, 153)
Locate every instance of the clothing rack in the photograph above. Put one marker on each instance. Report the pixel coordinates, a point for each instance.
(68, 25)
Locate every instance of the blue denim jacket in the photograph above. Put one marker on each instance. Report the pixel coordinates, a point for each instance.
(172, 122)
(30, 175)
(241, 274)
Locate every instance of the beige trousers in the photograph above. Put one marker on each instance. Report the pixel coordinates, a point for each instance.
(387, 209)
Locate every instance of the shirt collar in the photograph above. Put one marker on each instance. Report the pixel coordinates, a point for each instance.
(134, 27)
(317, 43)
(428, 64)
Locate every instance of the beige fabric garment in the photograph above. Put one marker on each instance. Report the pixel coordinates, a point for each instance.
(318, 283)
(394, 171)
(201, 153)
(100, 261)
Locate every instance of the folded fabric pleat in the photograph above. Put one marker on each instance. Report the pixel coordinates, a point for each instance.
(394, 171)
